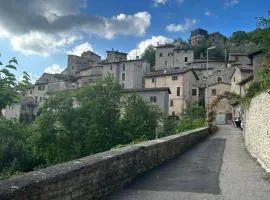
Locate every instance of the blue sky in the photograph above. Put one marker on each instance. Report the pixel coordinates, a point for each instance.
(40, 33)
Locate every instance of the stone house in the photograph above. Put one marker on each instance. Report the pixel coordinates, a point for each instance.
(257, 58)
(89, 75)
(22, 110)
(128, 73)
(169, 56)
(240, 73)
(197, 35)
(223, 108)
(240, 58)
(159, 96)
(78, 63)
(182, 84)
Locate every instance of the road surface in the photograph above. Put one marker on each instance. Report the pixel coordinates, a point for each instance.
(218, 168)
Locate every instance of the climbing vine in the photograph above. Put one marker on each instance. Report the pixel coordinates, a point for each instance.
(231, 96)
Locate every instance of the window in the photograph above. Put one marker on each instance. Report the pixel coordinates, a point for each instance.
(36, 98)
(173, 112)
(174, 78)
(194, 92)
(124, 66)
(219, 79)
(214, 92)
(171, 103)
(41, 87)
(178, 91)
(153, 99)
(234, 79)
(111, 67)
(170, 54)
(160, 55)
(166, 62)
(31, 92)
(186, 59)
(153, 80)
(123, 76)
(236, 58)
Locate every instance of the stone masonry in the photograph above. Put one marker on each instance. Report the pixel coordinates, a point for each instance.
(257, 129)
(97, 176)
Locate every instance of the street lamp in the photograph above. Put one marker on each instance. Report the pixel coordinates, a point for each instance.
(207, 83)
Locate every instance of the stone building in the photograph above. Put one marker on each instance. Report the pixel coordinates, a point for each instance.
(78, 63)
(89, 75)
(239, 58)
(128, 73)
(216, 37)
(116, 56)
(160, 96)
(169, 56)
(197, 35)
(223, 108)
(240, 73)
(183, 86)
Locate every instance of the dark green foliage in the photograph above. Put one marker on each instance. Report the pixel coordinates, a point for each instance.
(193, 117)
(218, 53)
(140, 118)
(90, 120)
(15, 152)
(149, 55)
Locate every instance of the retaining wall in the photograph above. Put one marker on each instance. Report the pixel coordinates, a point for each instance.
(97, 176)
(257, 129)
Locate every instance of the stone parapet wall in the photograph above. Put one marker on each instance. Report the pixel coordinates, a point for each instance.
(257, 129)
(97, 176)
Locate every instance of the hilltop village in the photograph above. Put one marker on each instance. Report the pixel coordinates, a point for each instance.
(176, 80)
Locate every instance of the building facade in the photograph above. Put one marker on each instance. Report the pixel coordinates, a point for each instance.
(182, 84)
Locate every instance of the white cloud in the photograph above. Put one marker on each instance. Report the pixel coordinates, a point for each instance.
(54, 69)
(78, 50)
(136, 24)
(33, 77)
(144, 44)
(189, 24)
(40, 43)
(44, 26)
(231, 3)
(160, 2)
(207, 13)
(180, 1)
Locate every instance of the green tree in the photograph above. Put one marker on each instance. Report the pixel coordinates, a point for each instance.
(15, 152)
(193, 117)
(140, 118)
(10, 89)
(149, 55)
(264, 25)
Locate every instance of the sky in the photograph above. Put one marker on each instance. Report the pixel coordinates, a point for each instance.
(40, 34)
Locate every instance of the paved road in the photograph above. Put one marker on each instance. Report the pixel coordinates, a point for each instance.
(218, 168)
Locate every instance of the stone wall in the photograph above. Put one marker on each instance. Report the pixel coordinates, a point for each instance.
(257, 129)
(97, 176)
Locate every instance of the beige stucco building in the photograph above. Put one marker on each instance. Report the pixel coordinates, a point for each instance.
(240, 73)
(183, 86)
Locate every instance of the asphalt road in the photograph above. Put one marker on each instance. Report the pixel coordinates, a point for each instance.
(218, 168)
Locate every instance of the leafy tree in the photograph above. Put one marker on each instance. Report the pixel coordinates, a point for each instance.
(238, 37)
(264, 25)
(140, 118)
(192, 117)
(10, 89)
(15, 152)
(149, 55)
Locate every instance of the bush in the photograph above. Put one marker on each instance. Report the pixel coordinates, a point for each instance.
(15, 153)
(192, 118)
